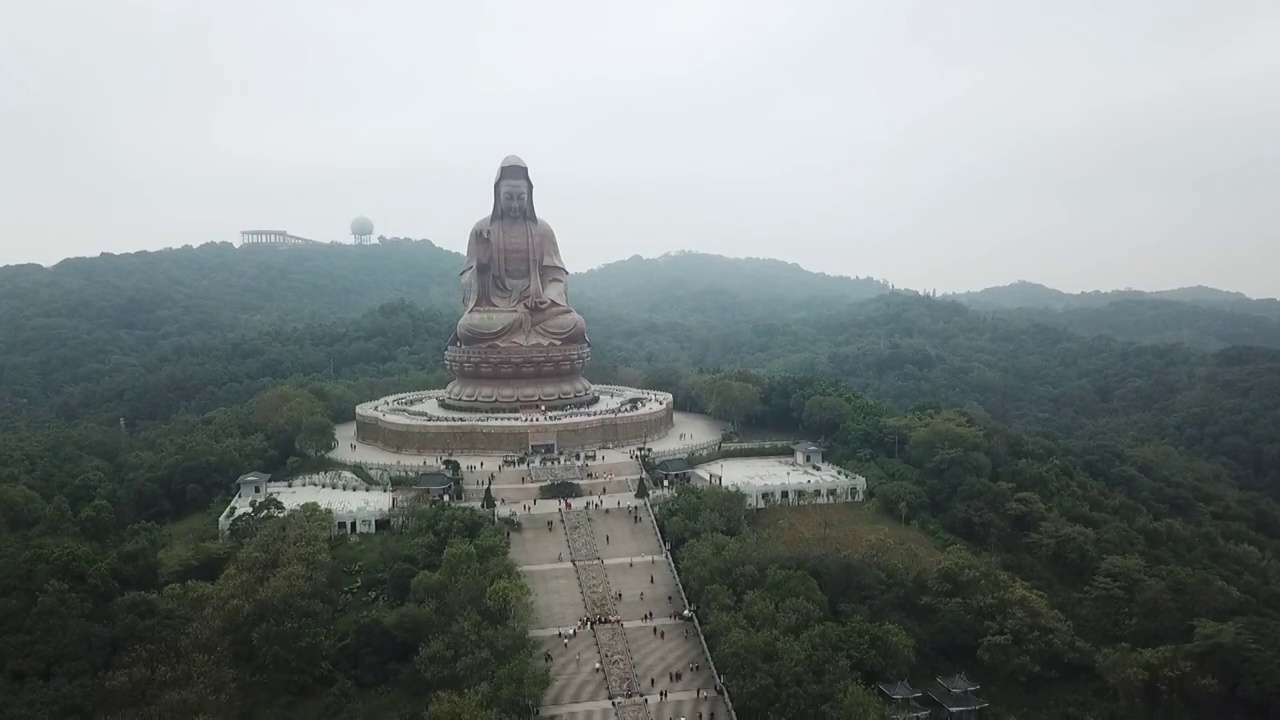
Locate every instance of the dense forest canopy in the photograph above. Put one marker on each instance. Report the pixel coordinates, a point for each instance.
(1122, 493)
(1130, 579)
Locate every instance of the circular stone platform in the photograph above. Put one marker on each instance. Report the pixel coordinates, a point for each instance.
(418, 422)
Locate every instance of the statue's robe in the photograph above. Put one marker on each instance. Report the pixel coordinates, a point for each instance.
(498, 279)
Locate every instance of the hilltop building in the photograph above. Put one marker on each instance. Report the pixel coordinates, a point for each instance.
(356, 506)
(798, 479)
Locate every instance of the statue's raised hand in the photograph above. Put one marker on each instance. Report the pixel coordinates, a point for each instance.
(484, 247)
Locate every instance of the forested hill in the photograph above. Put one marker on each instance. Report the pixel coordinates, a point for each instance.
(1025, 294)
(150, 297)
(662, 281)
(1200, 316)
(1132, 488)
(150, 335)
(187, 289)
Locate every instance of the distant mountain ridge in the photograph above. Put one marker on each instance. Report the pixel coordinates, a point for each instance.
(164, 294)
(1024, 294)
(701, 282)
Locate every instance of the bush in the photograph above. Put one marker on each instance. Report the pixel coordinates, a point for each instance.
(560, 489)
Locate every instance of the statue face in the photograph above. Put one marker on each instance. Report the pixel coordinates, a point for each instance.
(513, 197)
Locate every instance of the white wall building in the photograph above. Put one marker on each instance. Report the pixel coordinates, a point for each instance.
(769, 481)
(356, 506)
(806, 453)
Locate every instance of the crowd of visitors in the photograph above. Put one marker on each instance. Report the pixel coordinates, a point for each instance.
(636, 401)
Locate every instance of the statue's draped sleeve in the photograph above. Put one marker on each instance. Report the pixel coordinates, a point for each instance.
(552, 270)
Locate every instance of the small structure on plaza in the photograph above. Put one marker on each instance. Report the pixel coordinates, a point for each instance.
(431, 486)
(253, 485)
(673, 470)
(770, 481)
(955, 694)
(356, 506)
(902, 701)
(806, 453)
(568, 472)
(434, 484)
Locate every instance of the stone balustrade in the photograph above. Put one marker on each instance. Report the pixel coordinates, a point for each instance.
(632, 709)
(597, 595)
(582, 540)
(619, 672)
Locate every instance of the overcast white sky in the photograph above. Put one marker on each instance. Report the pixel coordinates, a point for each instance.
(949, 145)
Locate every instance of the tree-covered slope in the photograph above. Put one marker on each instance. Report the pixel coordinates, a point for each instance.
(1060, 451)
(181, 318)
(150, 335)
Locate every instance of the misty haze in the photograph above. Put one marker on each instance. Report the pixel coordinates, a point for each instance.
(606, 361)
(938, 146)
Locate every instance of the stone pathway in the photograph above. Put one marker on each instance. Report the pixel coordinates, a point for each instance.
(615, 560)
(619, 671)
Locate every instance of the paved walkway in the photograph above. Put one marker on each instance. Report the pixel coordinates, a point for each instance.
(609, 561)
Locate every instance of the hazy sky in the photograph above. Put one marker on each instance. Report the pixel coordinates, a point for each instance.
(949, 145)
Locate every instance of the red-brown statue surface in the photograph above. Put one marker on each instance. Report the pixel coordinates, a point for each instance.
(518, 344)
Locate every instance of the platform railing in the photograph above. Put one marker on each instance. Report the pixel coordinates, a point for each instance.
(697, 624)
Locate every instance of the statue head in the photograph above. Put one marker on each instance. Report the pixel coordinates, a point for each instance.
(513, 191)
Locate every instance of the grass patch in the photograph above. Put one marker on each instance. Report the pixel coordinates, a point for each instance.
(191, 549)
(852, 528)
(196, 528)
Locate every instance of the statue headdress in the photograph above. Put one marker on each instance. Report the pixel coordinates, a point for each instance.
(512, 168)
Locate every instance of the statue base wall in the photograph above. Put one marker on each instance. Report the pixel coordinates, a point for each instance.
(518, 379)
(417, 423)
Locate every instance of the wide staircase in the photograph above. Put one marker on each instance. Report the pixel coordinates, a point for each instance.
(607, 562)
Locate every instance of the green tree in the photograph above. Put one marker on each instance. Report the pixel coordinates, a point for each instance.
(316, 436)
(731, 400)
(823, 415)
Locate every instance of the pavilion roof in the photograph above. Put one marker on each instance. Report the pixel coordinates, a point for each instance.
(956, 702)
(958, 683)
(255, 476)
(909, 710)
(432, 480)
(674, 465)
(899, 690)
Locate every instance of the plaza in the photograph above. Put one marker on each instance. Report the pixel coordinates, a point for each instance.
(620, 565)
(427, 422)
(694, 427)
